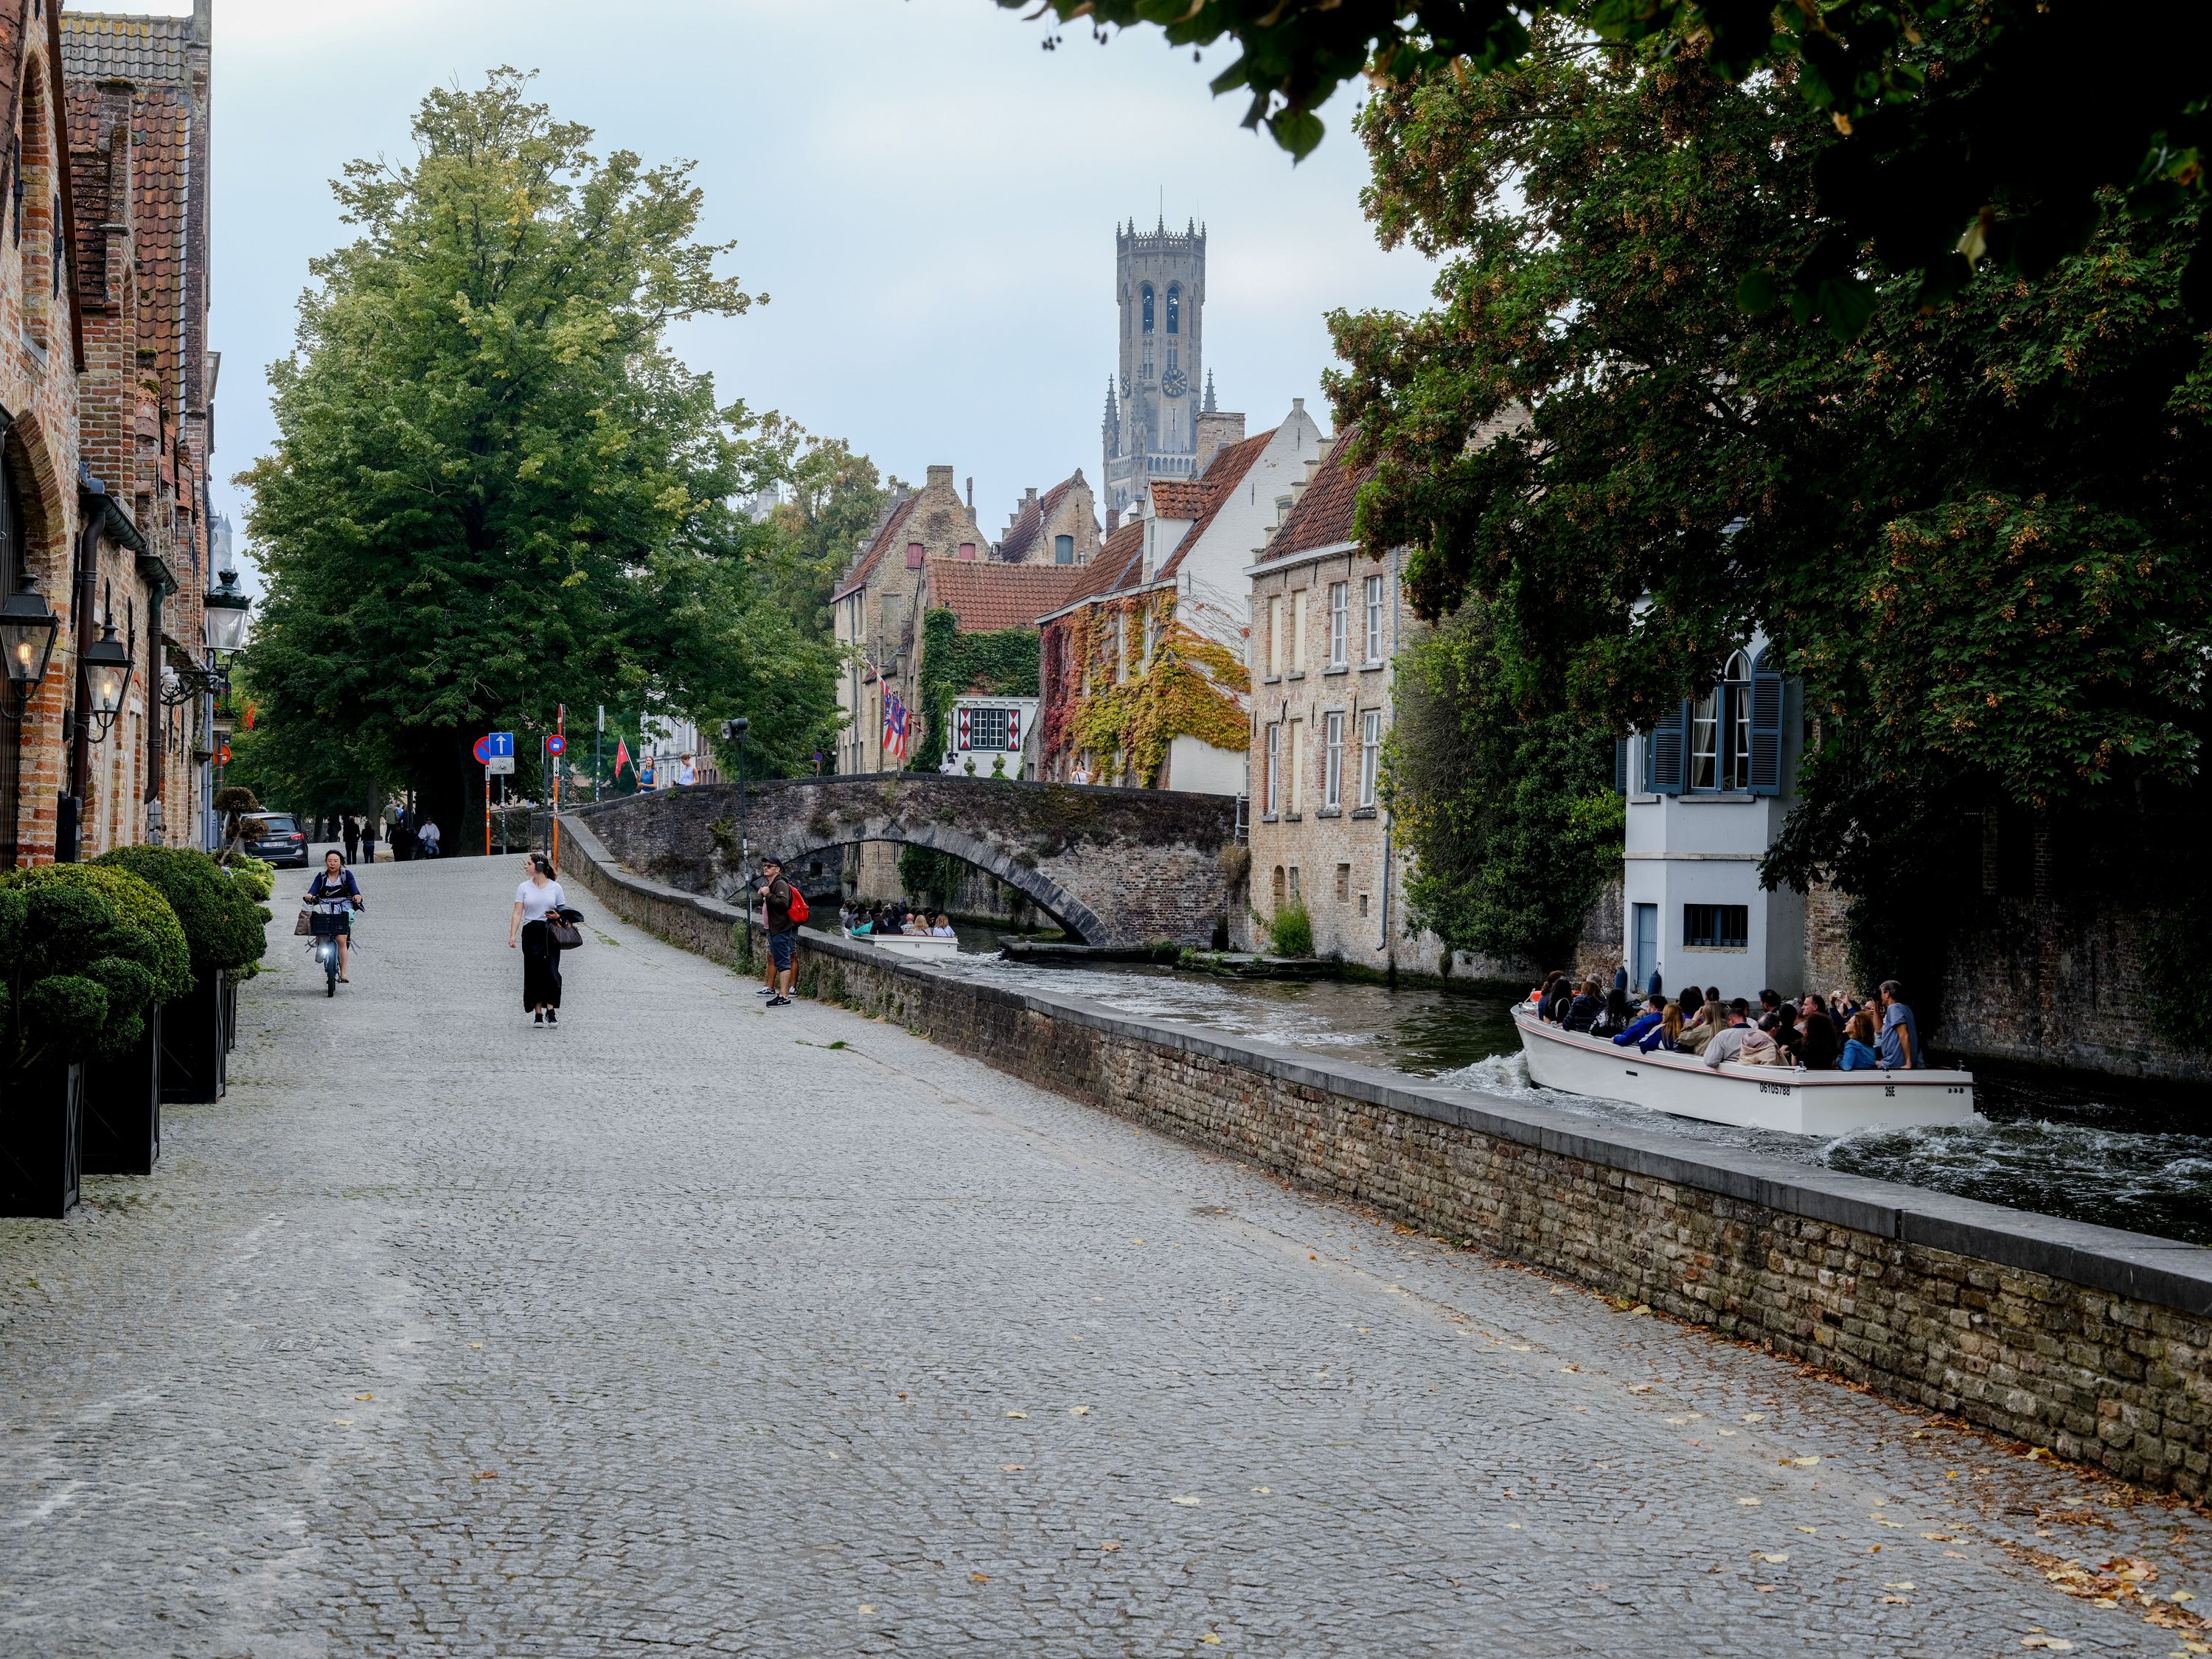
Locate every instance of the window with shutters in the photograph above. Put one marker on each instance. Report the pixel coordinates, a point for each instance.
(1705, 723)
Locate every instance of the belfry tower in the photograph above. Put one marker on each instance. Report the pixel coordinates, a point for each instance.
(1151, 431)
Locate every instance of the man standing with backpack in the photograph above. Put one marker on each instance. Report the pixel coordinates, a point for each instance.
(785, 907)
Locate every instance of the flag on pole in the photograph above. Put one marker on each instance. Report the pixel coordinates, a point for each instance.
(895, 726)
(621, 754)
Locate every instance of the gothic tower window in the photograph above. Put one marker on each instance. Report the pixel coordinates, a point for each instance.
(1174, 307)
(1148, 307)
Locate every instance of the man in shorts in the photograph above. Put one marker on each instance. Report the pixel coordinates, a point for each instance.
(782, 932)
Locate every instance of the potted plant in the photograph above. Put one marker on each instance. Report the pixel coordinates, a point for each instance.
(225, 930)
(83, 954)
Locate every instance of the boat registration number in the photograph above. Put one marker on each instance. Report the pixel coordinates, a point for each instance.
(1774, 1088)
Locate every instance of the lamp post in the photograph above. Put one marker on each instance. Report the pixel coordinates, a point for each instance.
(224, 610)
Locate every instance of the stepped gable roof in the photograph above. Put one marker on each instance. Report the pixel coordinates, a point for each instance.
(1220, 481)
(1028, 527)
(865, 566)
(149, 53)
(987, 598)
(1324, 513)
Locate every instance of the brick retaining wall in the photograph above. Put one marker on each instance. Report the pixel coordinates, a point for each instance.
(2092, 1342)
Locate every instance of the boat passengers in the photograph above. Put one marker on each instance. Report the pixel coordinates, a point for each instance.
(1810, 1034)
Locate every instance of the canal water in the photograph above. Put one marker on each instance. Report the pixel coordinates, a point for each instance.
(2125, 1154)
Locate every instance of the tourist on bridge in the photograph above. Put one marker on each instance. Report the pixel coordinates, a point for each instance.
(352, 831)
(535, 900)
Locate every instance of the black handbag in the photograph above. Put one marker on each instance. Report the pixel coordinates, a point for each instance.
(560, 930)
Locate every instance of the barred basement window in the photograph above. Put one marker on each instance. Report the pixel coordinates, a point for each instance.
(1716, 926)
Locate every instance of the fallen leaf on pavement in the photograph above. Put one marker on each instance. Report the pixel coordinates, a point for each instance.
(1639, 1388)
(1188, 1501)
(979, 1578)
(1109, 1545)
(865, 1609)
(1072, 1410)
(1749, 1503)
(1017, 1413)
(1011, 1468)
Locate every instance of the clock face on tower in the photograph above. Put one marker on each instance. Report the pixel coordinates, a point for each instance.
(1174, 384)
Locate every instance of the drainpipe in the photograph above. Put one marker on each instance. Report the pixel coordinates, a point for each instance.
(68, 836)
(1389, 955)
(157, 718)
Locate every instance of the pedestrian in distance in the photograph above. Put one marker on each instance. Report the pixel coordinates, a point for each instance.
(537, 900)
(352, 840)
(777, 897)
(369, 839)
(426, 836)
(686, 774)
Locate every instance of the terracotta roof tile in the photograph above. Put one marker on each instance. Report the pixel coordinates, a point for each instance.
(1324, 513)
(96, 47)
(1178, 498)
(990, 597)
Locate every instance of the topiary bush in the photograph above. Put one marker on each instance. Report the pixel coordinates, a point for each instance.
(256, 875)
(75, 971)
(139, 906)
(225, 927)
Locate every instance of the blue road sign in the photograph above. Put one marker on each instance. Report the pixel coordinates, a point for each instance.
(499, 742)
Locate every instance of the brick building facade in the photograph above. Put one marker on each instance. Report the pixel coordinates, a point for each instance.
(106, 392)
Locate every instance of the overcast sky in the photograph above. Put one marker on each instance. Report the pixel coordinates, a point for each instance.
(928, 197)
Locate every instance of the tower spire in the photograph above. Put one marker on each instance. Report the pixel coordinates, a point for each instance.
(1208, 408)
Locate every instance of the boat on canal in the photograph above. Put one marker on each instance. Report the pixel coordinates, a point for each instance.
(1792, 1100)
(907, 944)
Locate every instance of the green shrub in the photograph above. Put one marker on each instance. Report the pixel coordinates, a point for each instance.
(75, 971)
(256, 875)
(221, 921)
(162, 948)
(1290, 933)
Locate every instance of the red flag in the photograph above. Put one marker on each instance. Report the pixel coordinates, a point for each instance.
(621, 754)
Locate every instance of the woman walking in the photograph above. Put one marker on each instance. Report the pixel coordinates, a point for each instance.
(535, 900)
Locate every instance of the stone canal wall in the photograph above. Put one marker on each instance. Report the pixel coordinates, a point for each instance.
(2092, 1342)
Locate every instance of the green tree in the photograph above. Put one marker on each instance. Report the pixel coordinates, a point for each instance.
(1978, 128)
(1511, 819)
(832, 498)
(1976, 532)
(495, 488)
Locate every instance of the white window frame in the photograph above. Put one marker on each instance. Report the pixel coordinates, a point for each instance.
(1370, 755)
(1274, 635)
(1275, 768)
(1374, 619)
(1340, 623)
(1294, 797)
(1332, 784)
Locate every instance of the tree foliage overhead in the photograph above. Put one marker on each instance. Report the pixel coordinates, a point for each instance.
(1977, 129)
(495, 488)
(1977, 532)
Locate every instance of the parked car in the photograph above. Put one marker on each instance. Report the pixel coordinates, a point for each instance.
(281, 841)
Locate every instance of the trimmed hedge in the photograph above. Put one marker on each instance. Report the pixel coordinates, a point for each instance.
(225, 926)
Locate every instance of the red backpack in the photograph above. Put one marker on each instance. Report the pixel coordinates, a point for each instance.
(798, 903)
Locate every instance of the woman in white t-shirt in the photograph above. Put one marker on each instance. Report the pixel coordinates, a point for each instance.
(534, 901)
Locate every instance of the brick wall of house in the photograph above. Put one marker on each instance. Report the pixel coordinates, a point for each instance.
(2092, 1342)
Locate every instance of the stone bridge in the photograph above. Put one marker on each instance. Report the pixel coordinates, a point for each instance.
(1112, 866)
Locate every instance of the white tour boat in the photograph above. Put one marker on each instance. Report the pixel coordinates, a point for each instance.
(1824, 1104)
(907, 944)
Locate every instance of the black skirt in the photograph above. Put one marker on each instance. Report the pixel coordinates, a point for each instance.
(541, 966)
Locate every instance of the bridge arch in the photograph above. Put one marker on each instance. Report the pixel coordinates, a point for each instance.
(1048, 894)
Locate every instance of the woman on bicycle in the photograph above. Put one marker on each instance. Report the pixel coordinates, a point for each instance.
(337, 881)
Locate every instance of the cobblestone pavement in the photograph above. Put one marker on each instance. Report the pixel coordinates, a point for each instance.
(691, 1326)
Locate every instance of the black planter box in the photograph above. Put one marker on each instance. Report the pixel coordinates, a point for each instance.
(194, 1041)
(41, 1135)
(229, 1019)
(123, 1107)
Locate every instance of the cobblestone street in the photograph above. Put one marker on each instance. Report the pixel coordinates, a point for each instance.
(693, 1326)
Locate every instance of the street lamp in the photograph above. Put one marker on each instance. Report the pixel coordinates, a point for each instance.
(107, 672)
(28, 629)
(226, 615)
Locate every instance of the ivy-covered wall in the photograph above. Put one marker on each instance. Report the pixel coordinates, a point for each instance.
(1191, 686)
(1003, 664)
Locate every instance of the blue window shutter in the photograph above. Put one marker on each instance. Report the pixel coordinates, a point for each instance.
(1620, 766)
(1669, 746)
(1766, 701)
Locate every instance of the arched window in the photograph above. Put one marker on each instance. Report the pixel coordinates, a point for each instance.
(1147, 295)
(1736, 775)
(1174, 307)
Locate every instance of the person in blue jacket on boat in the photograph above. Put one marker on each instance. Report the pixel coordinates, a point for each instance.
(1654, 1011)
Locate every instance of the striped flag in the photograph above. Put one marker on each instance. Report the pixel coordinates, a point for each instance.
(896, 725)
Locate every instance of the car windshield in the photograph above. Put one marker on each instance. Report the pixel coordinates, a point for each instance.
(277, 823)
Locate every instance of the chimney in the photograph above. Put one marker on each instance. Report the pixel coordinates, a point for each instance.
(1113, 519)
(1029, 496)
(971, 494)
(940, 477)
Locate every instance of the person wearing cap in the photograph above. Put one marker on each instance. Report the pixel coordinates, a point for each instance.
(782, 932)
